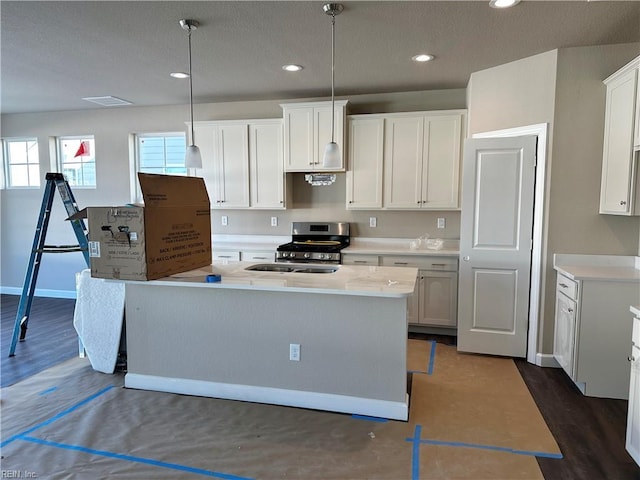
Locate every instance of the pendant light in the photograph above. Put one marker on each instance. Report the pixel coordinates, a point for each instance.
(192, 159)
(331, 157)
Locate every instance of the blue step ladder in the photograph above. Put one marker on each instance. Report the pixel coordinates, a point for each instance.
(55, 181)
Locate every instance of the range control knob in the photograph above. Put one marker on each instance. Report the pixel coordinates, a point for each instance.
(322, 255)
(307, 255)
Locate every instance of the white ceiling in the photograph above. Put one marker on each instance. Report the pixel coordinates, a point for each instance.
(53, 53)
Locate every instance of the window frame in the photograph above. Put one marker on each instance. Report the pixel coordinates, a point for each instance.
(60, 166)
(136, 192)
(6, 182)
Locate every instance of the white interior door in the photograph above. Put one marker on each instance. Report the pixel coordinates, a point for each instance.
(496, 233)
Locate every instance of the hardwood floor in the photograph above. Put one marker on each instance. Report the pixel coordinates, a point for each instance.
(590, 431)
(50, 338)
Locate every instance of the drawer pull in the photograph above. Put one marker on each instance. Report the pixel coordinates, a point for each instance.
(564, 285)
(401, 263)
(359, 261)
(260, 258)
(438, 264)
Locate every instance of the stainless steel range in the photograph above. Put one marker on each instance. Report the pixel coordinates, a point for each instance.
(315, 242)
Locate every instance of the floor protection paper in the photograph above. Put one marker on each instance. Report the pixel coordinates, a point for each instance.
(72, 422)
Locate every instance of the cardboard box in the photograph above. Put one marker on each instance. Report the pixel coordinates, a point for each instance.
(170, 234)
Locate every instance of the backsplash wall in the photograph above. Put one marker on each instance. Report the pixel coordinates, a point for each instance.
(327, 204)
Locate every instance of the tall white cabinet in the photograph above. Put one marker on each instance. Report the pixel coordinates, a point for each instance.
(242, 163)
(405, 161)
(620, 182)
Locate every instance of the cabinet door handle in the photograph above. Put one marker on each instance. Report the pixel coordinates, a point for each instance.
(622, 202)
(564, 285)
(631, 358)
(570, 310)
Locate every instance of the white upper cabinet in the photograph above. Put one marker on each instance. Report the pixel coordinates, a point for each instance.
(364, 176)
(266, 166)
(422, 154)
(242, 163)
(619, 184)
(307, 130)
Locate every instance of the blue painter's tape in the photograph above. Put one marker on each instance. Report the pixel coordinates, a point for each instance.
(58, 416)
(415, 457)
(213, 278)
(48, 390)
(432, 357)
(370, 419)
(120, 456)
(490, 447)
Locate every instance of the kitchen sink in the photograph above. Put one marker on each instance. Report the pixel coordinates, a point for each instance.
(316, 270)
(271, 267)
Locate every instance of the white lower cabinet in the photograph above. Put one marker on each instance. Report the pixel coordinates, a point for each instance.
(592, 331)
(633, 417)
(435, 301)
(258, 256)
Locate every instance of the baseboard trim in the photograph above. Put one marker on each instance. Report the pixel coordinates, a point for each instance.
(276, 396)
(40, 292)
(546, 360)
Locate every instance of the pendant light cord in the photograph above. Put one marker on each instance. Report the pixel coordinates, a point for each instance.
(193, 141)
(333, 68)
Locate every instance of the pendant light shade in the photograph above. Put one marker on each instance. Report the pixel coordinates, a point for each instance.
(332, 157)
(192, 158)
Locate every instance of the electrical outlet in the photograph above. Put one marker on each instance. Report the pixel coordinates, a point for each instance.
(441, 222)
(294, 352)
(274, 221)
(373, 222)
(224, 220)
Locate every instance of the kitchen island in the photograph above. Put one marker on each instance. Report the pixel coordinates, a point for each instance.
(330, 341)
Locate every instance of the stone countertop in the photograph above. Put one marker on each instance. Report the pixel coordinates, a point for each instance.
(359, 245)
(359, 280)
(401, 246)
(615, 268)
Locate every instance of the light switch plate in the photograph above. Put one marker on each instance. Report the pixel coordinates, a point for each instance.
(274, 221)
(373, 222)
(224, 220)
(441, 222)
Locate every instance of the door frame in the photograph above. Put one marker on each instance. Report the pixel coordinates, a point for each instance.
(536, 292)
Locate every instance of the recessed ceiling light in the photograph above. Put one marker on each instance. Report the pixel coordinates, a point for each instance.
(292, 68)
(503, 3)
(179, 75)
(423, 57)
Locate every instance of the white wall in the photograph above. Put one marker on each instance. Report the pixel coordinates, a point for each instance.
(112, 128)
(563, 88)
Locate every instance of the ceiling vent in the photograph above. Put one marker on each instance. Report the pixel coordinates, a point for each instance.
(107, 101)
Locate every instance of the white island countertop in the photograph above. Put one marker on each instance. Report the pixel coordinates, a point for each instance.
(617, 268)
(346, 280)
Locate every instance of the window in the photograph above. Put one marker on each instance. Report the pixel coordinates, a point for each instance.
(77, 160)
(21, 162)
(161, 153)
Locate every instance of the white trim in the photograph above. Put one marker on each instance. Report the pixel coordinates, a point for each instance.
(40, 292)
(276, 396)
(546, 360)
(538, 268)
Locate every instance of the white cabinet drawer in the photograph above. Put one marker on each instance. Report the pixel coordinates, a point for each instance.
(351, 259)
(228, 256)
(446, 264)
(635, 337)
(567, 286)
(258, 256)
